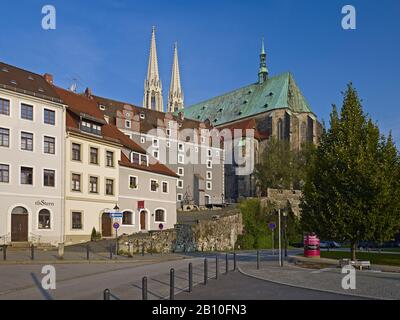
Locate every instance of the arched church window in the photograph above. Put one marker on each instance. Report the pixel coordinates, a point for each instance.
(280, 129)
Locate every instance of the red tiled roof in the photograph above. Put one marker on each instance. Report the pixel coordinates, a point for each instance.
(249, 124)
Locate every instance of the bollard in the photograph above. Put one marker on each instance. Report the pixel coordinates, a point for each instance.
(172, 284)
(5, 252)
(258, 260)
(32, 252)
(144, 288)
(205, 271)
(87, 252)
(143, 249)
(190, 277)
(111, 252)
(226, 264)
(234, 261)
(216, 267)
(106, 294)
(151, 248)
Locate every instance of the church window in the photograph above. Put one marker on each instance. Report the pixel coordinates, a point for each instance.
(280, 129)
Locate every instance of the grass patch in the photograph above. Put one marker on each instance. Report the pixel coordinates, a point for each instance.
(374, 258)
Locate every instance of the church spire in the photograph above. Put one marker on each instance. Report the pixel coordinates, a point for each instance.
(263, 72)
(152, 86)
(175, 97)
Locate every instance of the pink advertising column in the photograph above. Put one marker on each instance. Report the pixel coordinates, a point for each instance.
(311, 246)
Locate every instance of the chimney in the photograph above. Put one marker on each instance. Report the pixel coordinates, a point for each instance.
(181, 116)
(49, 78)
(88, 93)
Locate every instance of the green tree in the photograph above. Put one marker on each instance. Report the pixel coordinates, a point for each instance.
(352, 189)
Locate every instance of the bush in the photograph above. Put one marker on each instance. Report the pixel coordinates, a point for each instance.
(95, 235)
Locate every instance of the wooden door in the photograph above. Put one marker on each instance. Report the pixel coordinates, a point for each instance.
(143, 220)
(19, 227)
(106, 225)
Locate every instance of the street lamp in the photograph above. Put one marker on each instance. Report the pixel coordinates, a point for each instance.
(285, 214)
(116, 208)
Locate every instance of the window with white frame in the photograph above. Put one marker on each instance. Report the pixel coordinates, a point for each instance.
(209, 152)
(4, 107)
(181, 147)
(155, 143)
(209, 175)
(165, 187)
(181, 171)
(196, 149)
(26, 112)
(179, 196)
(181, 158)
(153, 185)
(155, 154)
(217, 153)
(44, 219)
(180, 184)
(168, 132)
(128, 124)
(209, 185)
(168, 144)
(133, 182)
(160, 215)
(209, 164)
(127, 218)
(142, 140)
(142, 116)
(4, 173)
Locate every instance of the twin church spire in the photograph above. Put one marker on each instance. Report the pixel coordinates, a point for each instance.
(153, 98)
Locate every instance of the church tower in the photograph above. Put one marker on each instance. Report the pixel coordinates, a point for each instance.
(263, 72)
(175, 97)
(152, 85)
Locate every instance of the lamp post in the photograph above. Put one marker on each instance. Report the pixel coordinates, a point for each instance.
(279, 239)
(285, 232)
(116, 209)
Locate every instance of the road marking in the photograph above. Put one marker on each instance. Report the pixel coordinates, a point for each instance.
(323, 270)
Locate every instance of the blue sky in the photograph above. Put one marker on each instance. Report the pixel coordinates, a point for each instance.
(105, 45)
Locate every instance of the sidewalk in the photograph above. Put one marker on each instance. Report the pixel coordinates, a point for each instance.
(369, 284)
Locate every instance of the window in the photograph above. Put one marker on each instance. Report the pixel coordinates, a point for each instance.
(26, 112)
(181, 158)
(91, 128)
(153, 185)
(180, 196)
(4, 137)
(44, 219)
(160, 215)
(155, 154)
(165, 187)
(135, 158)
(49, 145)
(133, 182)
(168, 132)
(180, 184)
(4, 107)
(142, 116)
(93, 184)
(102, 107)
(109, 187)
(181, 172)
(181, 147)
(76, 152)
(49, 178)
(94, 156)
(168, 144)
(26, 175)
(76, 182)
(127, 218)
(4, 173)
(49, 117)
(144, 160)
(209, 185)
(203, 140)
(209, 175)
(155, 143)
(142, 140)
(26, 141)
(209, 164)
(196, 149)
(77, 220)
(209, 152)
(128, 124)
(217, 153)
(110, 158)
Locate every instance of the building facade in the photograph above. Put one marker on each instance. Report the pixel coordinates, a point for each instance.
(32, 138)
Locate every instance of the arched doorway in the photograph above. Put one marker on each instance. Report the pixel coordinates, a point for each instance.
(143, 220)
(19, 225)
(106, 225)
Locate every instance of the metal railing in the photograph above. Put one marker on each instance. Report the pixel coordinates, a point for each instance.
(4, 238)
(35, 238)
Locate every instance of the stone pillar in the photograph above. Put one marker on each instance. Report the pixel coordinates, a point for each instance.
(61, 250)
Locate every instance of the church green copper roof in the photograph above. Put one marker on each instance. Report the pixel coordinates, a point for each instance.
(279, 92)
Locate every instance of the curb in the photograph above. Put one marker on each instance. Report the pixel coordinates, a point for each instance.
(310, 288)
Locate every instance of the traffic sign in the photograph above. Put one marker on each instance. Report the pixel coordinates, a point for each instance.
(161, 226)
(272, 225)
(116, 225)
(116, 215)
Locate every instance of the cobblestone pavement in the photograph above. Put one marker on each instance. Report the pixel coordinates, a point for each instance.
(379, 285)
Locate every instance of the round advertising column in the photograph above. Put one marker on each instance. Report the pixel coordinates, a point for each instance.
(311, 246)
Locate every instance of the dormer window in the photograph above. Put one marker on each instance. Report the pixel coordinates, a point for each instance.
(13, 82)
(128, 124)
(4, 69)
(139, 159)
(90, 127)
(142, 116)
(102, 107)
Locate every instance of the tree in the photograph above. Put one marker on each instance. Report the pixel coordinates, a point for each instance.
(352, 189)
(281, 167)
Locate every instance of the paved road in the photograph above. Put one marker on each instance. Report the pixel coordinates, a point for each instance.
(237, 286)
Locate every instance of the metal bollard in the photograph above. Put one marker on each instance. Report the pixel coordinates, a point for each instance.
(226, 264)
(111, 252)
(106, 294)
(216, 267)
(87, 252)
(205, 271)
(144, 288)
(190, 277)
(32, 252)
(172, 284)
(258, 259)
(234, 261)
(151, 248)
(4, 252)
